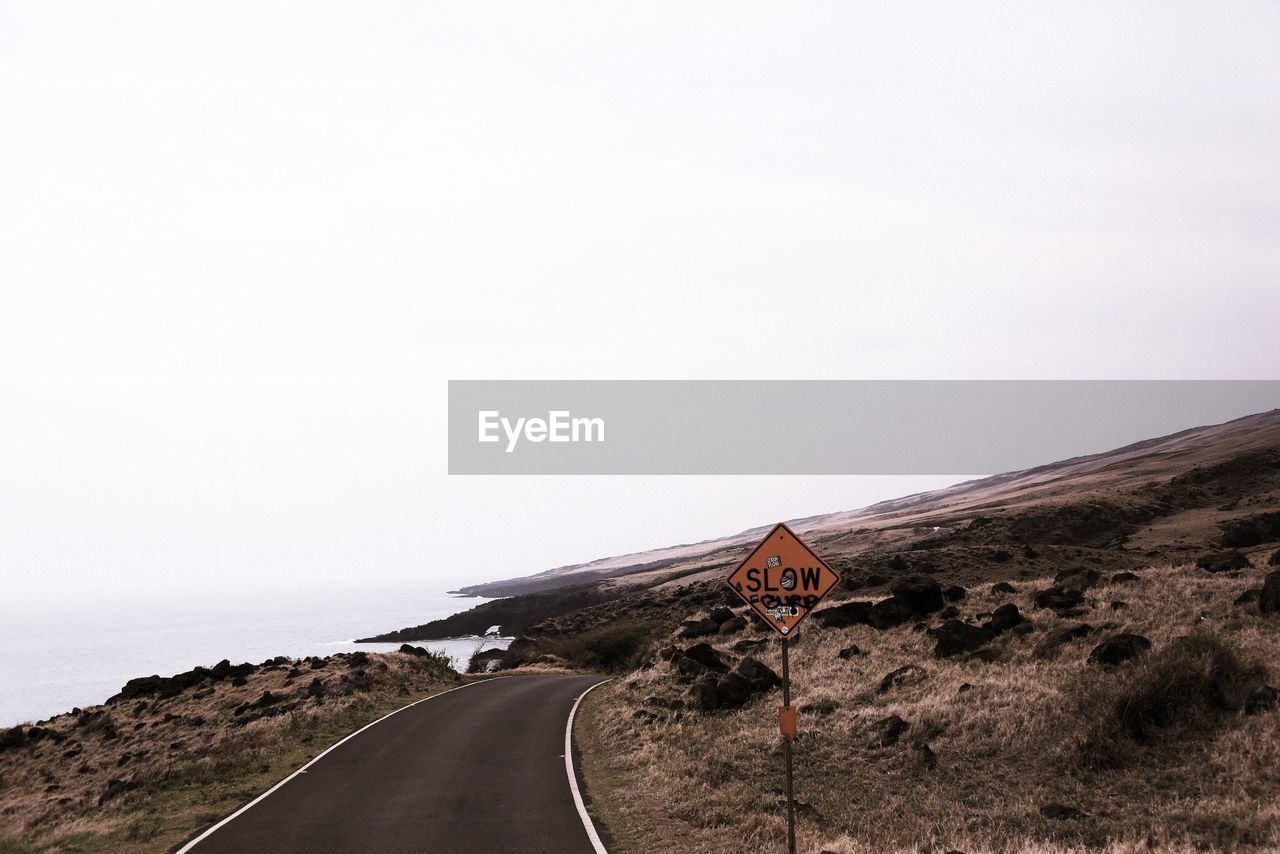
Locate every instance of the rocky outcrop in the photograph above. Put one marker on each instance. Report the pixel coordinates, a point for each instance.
(1118, 649)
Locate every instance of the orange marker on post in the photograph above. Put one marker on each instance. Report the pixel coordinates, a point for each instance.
(787, 722)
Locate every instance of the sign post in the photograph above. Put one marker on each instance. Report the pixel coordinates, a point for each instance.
(782, 580)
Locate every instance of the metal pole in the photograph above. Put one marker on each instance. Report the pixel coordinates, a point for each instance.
(786, 748)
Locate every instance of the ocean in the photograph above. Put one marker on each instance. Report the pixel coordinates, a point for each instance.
(56, 655)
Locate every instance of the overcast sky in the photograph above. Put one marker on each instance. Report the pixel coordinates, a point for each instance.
(244, 245)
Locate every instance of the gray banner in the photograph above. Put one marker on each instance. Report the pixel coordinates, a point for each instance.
(819, 426)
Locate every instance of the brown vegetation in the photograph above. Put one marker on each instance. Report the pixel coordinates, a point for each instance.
(1023, 744)
(143, 772)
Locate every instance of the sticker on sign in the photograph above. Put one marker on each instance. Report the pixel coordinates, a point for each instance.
(783, 580)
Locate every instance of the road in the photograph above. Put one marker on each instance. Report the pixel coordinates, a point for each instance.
(478, 769)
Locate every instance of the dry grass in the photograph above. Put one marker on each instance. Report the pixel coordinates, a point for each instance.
(186, 761)
(1027, 734)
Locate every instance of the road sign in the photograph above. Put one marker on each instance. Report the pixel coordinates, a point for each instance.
(782, 580)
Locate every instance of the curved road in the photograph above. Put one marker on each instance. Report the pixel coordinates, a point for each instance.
(478, 769)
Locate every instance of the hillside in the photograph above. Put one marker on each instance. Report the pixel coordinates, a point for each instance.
(1160, 500)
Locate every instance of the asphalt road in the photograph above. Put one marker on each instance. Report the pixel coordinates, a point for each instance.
(480, 769)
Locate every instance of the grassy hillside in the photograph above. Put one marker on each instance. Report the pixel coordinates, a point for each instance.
(169, 756)
(1022, 744)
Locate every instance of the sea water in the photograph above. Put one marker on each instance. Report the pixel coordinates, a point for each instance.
(62, 652)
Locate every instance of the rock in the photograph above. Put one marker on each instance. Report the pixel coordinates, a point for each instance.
(875, 579)
(1248, 597)
(905, 676)
(949, 612)
(1057, 599)
(886, 731)
(955, 637)
(890, 613)
(1261, 699)
(1223, 561)
(925, 756)
(1003, 587)
(954, 593)
(1004, 619)
(1077, 579)
(1060, 812)
(720, 615)
(842, 616)
(732, 691)
(1269, 598)
(1275, 558)
(1118, 649)
(1124, 578)
(732, 626)
(747, 645)
(761, 677)
(704, 696)
(1030, 553)
(1000, 556)
(699, 627)
(851, 651)
(706, 655)
(898, 563)
(965, 688)
(921, 594)
(1119, 605)
(1024, 628)
(413, 650)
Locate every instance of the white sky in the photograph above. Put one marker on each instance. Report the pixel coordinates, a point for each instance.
(244, 245)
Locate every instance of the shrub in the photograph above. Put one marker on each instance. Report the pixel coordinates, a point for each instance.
(606, 647)
(1179, 691)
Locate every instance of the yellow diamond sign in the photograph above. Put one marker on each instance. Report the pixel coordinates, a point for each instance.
(783, 580)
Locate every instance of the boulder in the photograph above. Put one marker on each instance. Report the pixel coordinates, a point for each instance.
(886, 731)
(697, 627)
(1004, 619)
(732, 626)
(955, 637)
(926, 757)
(704, 696)
(721, 614)
(1275, 558)
(1077, 579)
(903, 677)
(748, 644)
(842, 616)
(921, 594)
(1057, 599)
(890, 613)
(759, 675)
(954, 593)
(408, 649)
(1118, 649)
(1003, 587)
(732, 690)
(1248, 597)
(851, 651)
(1269, 598)
(1124, 578)
(1223, 561)
(706, 655)
(1029, 552)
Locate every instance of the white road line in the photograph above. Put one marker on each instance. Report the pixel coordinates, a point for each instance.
(573, 778)
(192, 844)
